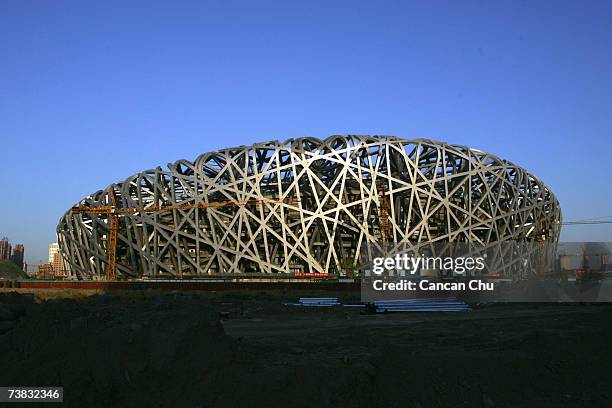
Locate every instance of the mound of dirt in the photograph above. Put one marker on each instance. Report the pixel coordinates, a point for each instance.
(8, 270)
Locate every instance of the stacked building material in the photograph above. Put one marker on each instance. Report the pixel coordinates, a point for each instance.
(315, 302)
(419, 305)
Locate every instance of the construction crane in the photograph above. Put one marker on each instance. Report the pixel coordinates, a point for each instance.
(114, 213)
(384, 216)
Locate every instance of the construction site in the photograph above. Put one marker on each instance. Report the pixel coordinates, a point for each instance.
(309, 204)
(311, 211)
(304, 206)
(238, 277)
(227, 349)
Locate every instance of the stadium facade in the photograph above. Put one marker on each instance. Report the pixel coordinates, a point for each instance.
(306, 205)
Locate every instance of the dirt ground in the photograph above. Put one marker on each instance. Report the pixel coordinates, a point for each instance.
(247, 349)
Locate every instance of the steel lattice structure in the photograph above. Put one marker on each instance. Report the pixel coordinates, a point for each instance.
(323, 206)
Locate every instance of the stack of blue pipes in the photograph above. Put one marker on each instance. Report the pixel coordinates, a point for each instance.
(420, 305)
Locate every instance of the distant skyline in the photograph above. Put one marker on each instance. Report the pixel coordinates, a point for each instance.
(91, 93)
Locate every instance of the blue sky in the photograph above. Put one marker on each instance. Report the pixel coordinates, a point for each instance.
(92, 92)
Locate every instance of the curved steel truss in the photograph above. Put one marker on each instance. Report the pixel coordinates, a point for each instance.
(308, 205)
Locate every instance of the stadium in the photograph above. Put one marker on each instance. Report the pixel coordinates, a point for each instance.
(306, 206)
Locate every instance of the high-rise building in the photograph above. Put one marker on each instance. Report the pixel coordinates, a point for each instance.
(57, 265)
(17, 256)
(5, 249)
(61, 269)
(53, 249)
